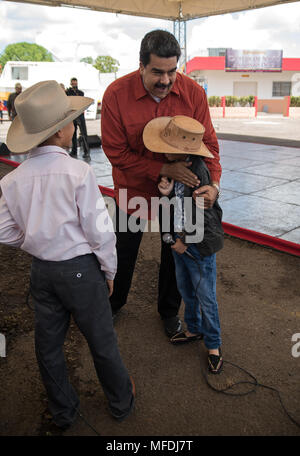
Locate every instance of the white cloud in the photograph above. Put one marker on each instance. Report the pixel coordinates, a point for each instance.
(267, 28)
(71, 33)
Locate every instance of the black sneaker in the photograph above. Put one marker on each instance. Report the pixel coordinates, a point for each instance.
(66, 425)
(63, 427)
(182, 338)
(215, 363)
(172, 325)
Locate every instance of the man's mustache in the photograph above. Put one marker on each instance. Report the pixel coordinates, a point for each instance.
(162, 86)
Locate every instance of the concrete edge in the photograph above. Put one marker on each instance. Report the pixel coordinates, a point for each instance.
(259, 140)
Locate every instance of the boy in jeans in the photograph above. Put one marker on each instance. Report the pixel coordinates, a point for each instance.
(180, 138)
(51, 207)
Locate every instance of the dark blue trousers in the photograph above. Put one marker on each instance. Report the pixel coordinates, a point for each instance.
(76, 287)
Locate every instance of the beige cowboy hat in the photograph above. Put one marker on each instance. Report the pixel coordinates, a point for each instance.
(175, 135)
(42, 110)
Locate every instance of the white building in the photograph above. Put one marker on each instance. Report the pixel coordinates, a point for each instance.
(270, 87)
(90, 81)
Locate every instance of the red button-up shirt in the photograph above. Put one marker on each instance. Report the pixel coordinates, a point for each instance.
(126, 108)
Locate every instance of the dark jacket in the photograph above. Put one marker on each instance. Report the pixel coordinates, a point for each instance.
(74, 92)
(11, 104)
(70, 92)
(213, 239)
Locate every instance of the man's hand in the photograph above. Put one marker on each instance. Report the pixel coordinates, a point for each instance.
(110, 286)
(179, 246)
(179, 171)
(165, 187)
(209, 193)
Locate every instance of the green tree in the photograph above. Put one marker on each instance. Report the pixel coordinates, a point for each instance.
(106, 64)
(28, 52)
(87, 60)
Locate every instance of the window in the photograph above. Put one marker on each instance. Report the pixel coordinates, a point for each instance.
(216, 52)
(19, 72)
(281, 88)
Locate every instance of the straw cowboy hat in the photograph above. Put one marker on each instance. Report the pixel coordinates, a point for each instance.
(175, 135)
(42, 110)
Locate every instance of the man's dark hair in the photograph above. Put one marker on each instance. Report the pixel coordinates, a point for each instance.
(160, 43)
(73, 79)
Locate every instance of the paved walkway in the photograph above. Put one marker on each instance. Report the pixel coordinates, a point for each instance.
(261, 188)
(264, 125)
(260, 182)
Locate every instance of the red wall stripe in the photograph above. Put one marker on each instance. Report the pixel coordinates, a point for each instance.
(218, 63)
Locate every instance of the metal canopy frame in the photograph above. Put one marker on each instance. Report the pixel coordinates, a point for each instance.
(179, 30)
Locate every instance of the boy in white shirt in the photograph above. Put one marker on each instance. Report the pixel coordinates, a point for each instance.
(51, 207)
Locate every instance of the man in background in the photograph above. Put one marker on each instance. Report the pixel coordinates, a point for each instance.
(79, 122)
(11, 101)
(1, 111)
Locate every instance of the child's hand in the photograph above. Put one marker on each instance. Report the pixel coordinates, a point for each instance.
(179, 246)
(110, 286)
(165, 187)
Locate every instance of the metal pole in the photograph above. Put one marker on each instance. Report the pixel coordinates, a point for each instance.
(179, 30)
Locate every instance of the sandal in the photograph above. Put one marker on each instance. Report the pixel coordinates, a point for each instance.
(182, 338)
(215, 363)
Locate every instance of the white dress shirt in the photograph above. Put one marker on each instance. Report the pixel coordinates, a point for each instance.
(52, 208)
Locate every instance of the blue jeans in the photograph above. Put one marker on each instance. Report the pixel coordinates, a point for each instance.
(196, 282)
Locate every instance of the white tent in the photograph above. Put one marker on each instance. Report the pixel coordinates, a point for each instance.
(164, 9)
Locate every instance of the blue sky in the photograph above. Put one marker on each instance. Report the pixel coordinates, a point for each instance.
(71, 33)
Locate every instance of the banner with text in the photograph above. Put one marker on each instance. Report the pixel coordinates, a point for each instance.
(256, 60)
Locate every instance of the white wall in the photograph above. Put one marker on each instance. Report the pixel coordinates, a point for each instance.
(220, 83)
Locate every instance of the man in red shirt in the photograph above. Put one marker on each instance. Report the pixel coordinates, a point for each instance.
(129, 103)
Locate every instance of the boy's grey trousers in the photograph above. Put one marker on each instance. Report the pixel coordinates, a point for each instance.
(76, 287)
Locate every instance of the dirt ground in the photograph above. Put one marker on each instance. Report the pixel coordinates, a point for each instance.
(258, 295)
